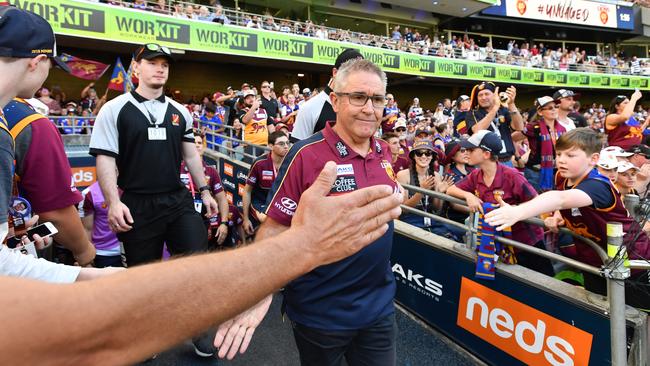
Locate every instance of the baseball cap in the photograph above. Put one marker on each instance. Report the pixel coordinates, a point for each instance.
(607, 160)
(24, 34)
(640, 149)
(401, 122)
(420, 131)
(451, 149)
(423, 145)
(486, 140)
(306, 91)
(543, 101)
(248, 92)
(617, 151)
(624, 166)
(347, 55)
(461, 99)
(149, 51)
(564, 93)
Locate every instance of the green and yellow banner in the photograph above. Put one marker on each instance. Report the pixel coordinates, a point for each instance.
(90, 20)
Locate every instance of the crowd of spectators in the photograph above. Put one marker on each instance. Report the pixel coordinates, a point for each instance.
(410, 40)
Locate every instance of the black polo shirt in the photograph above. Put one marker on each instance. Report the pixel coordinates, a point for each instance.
(500, 125)
(146, 166)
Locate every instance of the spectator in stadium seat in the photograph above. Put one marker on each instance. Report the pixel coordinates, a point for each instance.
(261, 176)
(211, 121)
(205, 14)
(495, 183)
(289, 112)
(255, 121)
(219, 16)
(626, 178)
(620, 125)
(269, 103)
(391, 113)
(318, 110)
(335, 310)
(607, 165)
(542, 134)
(488, 114)
(39, 159)
(640, 158)
(51, 103)
(585, 201)
(462, 106)
(566, 101)
(399, 162)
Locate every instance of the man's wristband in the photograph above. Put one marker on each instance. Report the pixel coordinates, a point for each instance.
(204, 188)
(514, 112)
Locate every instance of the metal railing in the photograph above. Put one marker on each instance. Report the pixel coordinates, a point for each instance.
(73, 125)
(234, 145)
(427, 47)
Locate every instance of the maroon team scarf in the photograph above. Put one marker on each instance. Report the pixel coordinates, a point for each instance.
(547, 142)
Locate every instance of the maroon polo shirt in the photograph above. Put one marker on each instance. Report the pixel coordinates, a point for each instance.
(354, 292)
(514, 189)
(400, 164)
(261, 177)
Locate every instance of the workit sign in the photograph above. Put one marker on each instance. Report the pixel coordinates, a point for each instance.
(66, 16)
(523, 332)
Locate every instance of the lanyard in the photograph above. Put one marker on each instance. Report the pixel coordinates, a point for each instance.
(189, 175)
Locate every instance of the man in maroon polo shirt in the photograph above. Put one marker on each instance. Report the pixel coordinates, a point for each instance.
(260, 179)
(344, 309)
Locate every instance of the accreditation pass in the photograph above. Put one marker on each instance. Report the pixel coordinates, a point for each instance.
(157, 133)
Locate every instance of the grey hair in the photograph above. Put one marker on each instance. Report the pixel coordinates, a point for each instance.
(357, 65)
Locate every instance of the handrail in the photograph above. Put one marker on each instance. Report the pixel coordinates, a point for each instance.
(535, 221)
(429, 47)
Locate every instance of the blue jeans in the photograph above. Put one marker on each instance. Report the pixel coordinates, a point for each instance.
(370, 346)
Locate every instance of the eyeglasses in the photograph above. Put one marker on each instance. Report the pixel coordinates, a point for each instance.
(282, 143)
(389, 98)
(420, 153)
(266, 86)
(400, 129)
(360, 99)
(549, 108)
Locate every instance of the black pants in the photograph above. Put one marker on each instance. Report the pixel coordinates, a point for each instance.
(162, 218)
(371, 346)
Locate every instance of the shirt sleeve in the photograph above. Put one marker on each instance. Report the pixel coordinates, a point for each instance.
(188, 136)
(6, 173)
(215, 182)
(15, 264)
(303, 127)
(46, 179)
(284, 196)
(600, 192)
(466, 184)
(88, 208)
(253, 175)
(105, 137)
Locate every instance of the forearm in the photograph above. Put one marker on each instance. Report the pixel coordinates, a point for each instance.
(246, 202)
(105, 331)
(413, 200)
(72, 234)
(248, 116)
(222, 201)
(107, 176)
(193, 163)
(484, 123)
(517, 122)
(458, 193)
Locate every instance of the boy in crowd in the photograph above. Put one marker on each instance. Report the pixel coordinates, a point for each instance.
(494, 182)
(584, 201)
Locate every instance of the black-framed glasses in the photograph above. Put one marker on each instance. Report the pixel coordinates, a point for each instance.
(550, 108)
(266, 86)
(360, 99)
(400, 129)
(421, 153)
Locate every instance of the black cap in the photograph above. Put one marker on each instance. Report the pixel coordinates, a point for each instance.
(24, 34)
(149, 51)
(564, 93)
(347, 55)
(486, 140)
(641, 150)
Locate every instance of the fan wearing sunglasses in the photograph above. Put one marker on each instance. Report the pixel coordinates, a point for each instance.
(422, 173)
(542, 134)
(621, 127)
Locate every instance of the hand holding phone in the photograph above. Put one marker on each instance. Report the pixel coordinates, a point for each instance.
(43, 230)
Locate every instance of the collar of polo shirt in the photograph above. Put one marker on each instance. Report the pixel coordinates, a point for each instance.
(142, 99)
